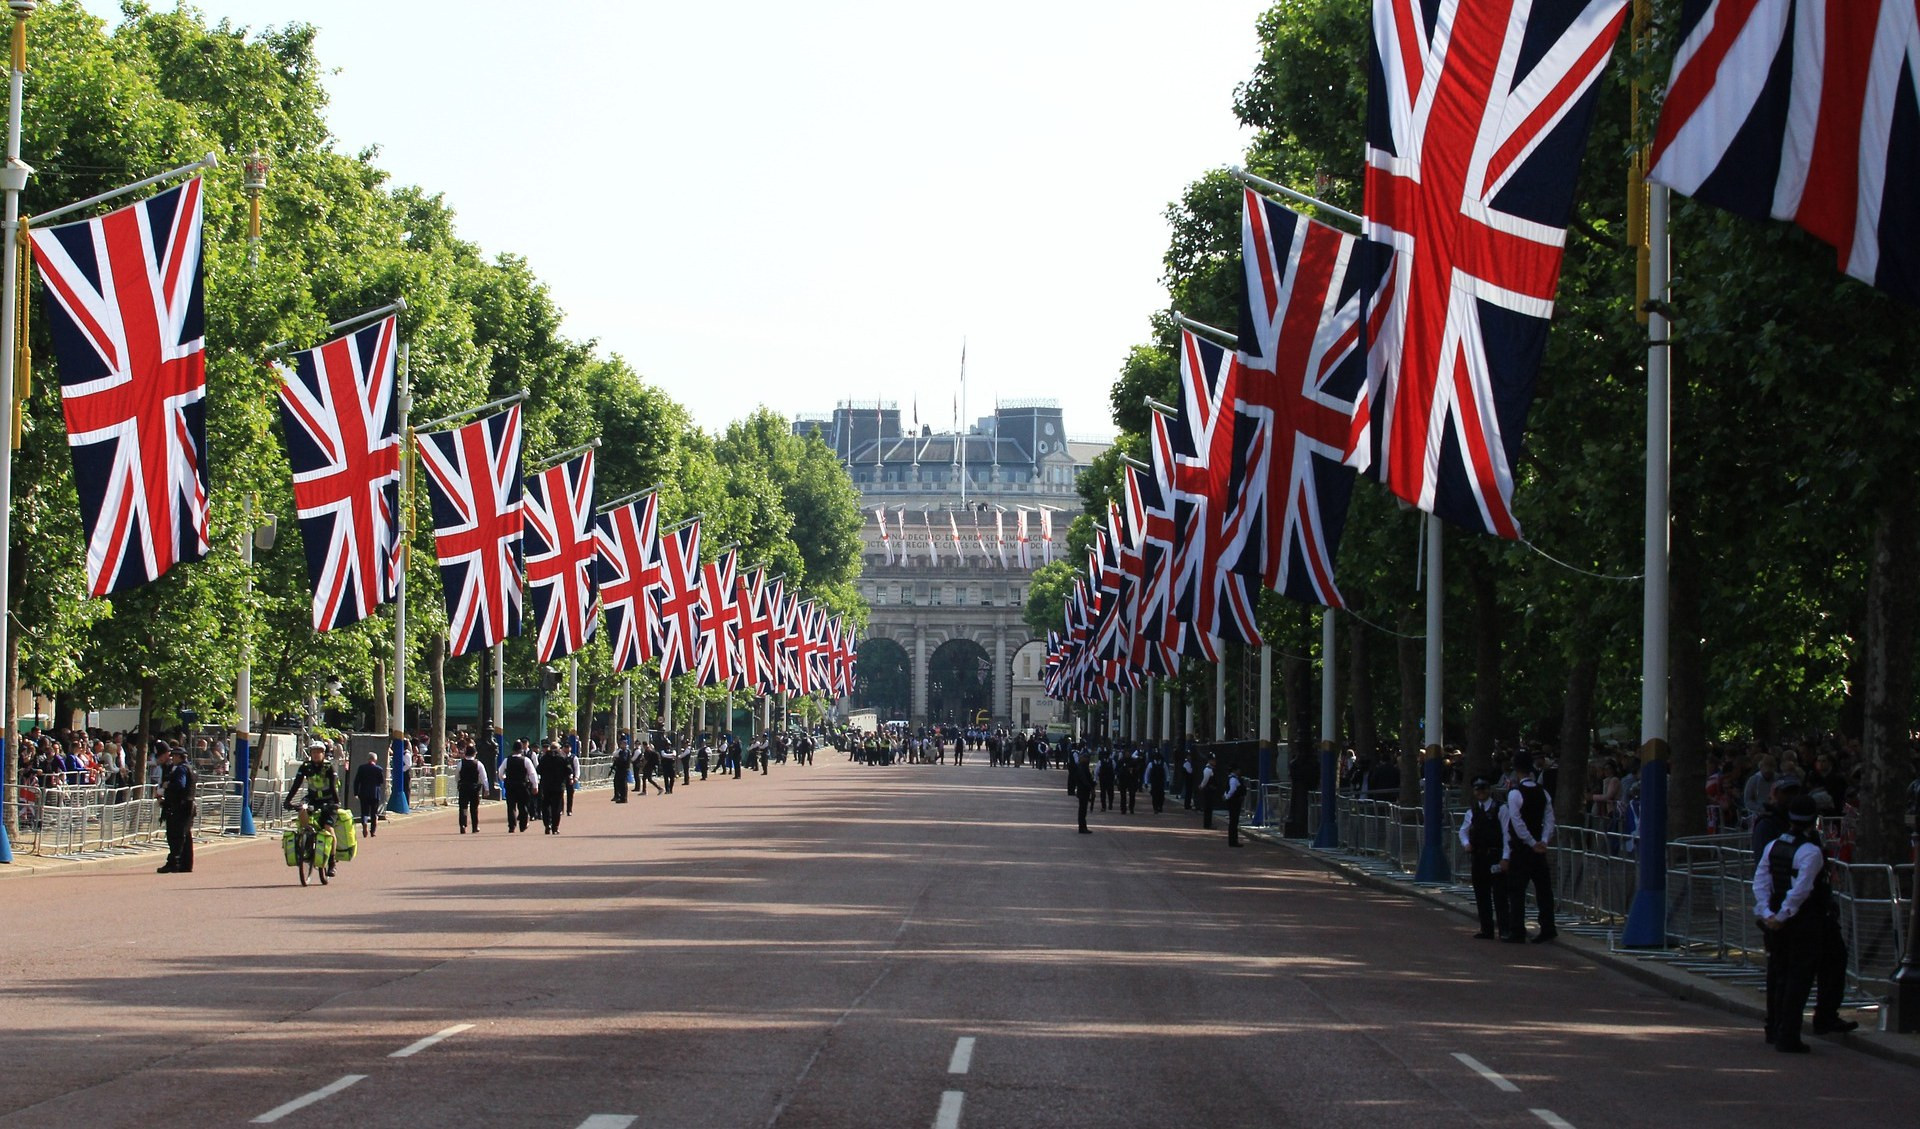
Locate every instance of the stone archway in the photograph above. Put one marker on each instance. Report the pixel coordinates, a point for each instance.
(884, 679)
(960, 681)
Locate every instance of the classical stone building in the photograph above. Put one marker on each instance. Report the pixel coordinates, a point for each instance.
(947, 641)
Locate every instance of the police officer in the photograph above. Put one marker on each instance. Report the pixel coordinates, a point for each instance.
(1157, 783)
(1233, 798)
(470, 779)
(1080, 784)
(518, 776)
(1480, 834)
(1530, 827)
(622, 763)
(1794, 902)
(176, 808)
(553, 770)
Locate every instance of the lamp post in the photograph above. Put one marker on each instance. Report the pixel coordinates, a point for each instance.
(13, 178)
(254, 181)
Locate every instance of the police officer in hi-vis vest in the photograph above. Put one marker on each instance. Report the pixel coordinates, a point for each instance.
(1794, 902)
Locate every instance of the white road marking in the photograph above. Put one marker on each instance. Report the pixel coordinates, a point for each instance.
(949, 1115)
(305, 1100)
(1481, 1068)
(610, 1121)
(1552, 1118)
(412, 1049)
(962, 1055)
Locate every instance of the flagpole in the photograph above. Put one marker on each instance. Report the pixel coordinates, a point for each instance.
(1265, 185)
(500, 692)
(243, 684)
(573, 700)
(397, 801)
(1646, 925)
(13, 178)
(1264, 731)
(1433, 852)
(211, 160)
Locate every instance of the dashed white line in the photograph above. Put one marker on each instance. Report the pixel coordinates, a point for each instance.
(949, 1115)
(305, 1100)
(610, 1121)
(962, 1055)
(1552, 1118)
(1487, 1072)
(412, 1049)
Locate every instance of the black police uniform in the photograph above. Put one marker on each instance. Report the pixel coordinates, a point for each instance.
(176, 809)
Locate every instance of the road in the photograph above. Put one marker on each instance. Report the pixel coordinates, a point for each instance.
(842, 946)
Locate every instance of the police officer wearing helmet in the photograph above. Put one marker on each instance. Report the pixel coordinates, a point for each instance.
(1794, 902)
(323, 789)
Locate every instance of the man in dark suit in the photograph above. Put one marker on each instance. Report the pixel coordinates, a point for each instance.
(1080, 784)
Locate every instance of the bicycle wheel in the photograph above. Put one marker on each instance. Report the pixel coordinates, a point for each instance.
(322, 856)
(303, 853)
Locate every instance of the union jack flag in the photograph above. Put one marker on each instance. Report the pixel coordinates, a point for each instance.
(1803, 110)
(679, 601)
(1477, 115)
(1211, 600)
(629, 575)
(1151, 638)
(562, 545)
(1302, 370)
(124, 302)
(718, 663)
(756, 628)
(779, 652)
(808, 647)
(473, 479)
(342, 424)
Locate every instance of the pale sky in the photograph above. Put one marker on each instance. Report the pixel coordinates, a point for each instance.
(796, 203)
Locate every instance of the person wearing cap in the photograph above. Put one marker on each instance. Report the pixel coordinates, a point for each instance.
(1770, 822)
(1481, 835)
(1529, 825)
(1793, 899)
(1233, 797)
(323, 788)
(1080, 786)
(176, 809)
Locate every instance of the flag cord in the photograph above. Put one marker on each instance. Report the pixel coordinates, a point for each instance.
(22, 351)
(1578, 569)
(1377, 627)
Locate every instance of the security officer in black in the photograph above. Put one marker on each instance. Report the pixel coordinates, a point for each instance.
(1480, 834)
(1530, 828)
(622, 764)
(1793, 899)
(553, 770)
(176, 808)
(1233, 798)
(1080, 784)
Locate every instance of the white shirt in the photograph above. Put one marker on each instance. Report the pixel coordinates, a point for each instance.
(1807, 864)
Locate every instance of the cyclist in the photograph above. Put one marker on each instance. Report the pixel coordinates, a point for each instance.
(323, 789)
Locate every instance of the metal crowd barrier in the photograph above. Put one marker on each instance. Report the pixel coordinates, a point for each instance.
(1595, 873)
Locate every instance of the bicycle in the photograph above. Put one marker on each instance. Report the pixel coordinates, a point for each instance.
(312, 846)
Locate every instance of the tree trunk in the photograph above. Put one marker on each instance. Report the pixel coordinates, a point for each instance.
(1576, 723)
(149, 693)
(1885, 765)
(1410, 654)
(1484, 725)
(380, 698)
(437, 709)
(1363, 730)
(583, 721)
(1686, 690)
(1296, 684)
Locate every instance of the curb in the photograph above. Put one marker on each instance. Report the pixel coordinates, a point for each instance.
(1681, 985)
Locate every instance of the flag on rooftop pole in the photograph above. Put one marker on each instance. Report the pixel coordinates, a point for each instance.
(1477, 116)
(125, 304)
(474, 484)
(886, 543)
(1803, 110)
(341, 420)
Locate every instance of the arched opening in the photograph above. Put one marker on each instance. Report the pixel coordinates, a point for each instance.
(884, 679)
(959, 682)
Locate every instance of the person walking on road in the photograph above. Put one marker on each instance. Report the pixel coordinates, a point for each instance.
(1480, 834)
(1157, 783)
(1793, 898)
(1080, 784)
(553, 770)
(1530, 827)
(518, 777)
(470, 780)
(622, 764)
(1106, 779)
(368, 779)
(1233, 798)
(176, 809)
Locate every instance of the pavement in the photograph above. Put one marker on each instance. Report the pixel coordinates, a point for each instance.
(844, 946)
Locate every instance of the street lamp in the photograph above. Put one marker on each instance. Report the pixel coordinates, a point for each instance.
(254, 181)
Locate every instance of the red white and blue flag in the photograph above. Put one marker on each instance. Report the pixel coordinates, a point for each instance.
(679, 601)
(125, 305)
(474, 482)
(627, 570)
(756, 629)
(342, 423)
(1804, 110)
(1212, 601)
(718, 663)
(1477, 116)
(1302, 370)
(562, 546)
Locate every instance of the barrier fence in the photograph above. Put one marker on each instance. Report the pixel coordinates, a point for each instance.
(1595, 873)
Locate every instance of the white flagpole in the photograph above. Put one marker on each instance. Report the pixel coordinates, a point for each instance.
(243, 685)
(500, 692)
(397, 711)
(1434, 866)
(13, 178)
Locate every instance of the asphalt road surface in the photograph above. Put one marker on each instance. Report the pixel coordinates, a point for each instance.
(842, 946)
